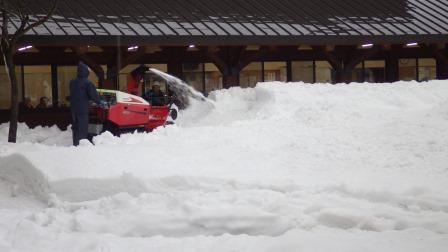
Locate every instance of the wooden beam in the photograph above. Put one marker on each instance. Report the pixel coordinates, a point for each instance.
(211, 52)
(361, 55)
(438, 51)
(230, 60)
(175, 56)
(129, 58)
(329, 56)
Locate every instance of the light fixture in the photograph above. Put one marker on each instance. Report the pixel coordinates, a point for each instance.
(191, 46)
(132, 48)
(21, 49)
(412, 44)
(367, 46)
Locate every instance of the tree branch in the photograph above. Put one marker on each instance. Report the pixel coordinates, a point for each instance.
(23, 29)
(20, 9)
(4, 20)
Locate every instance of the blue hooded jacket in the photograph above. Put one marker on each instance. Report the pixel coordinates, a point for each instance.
(81, 91)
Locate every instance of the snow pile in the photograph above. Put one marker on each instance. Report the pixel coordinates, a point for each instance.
(279, 167)
(44, 135)
(23, 177)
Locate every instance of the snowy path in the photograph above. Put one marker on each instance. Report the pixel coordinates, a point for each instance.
(275, 168)
(207, 212)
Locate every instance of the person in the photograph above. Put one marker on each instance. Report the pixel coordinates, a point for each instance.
(155, 96)
(81, 92)
(43, 103)
(26, 105)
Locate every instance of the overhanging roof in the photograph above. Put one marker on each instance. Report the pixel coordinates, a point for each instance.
(240, 21)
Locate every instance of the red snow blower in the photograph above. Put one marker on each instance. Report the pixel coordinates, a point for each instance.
(128, 112)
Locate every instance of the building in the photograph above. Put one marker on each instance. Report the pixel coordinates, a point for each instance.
(216, 44)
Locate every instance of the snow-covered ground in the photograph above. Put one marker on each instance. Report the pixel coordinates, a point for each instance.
(280, 167)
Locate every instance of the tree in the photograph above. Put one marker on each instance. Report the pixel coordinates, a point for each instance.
(9, 43)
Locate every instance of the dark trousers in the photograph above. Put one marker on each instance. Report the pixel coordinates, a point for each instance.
(80, 127)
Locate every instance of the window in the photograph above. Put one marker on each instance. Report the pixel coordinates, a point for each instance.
(275, 71)
(323, 72)
(407, 69)
(303, 71)
(65, 75)
(375, 71)
(422, 69)
(37, 81)
(213, 78)
(193, 74)
(251, 75)
(369, 71)
(5, 87)
(427, 69)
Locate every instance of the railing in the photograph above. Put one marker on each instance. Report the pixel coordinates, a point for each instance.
(41, 117)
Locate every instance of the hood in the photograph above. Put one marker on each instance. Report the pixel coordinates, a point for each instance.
(83, 71)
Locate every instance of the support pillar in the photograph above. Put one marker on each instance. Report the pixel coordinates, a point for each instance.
(442, 70)
(54, 86)
(344, 59)
(230, 60)
(231, 78)
(392, 69)
(121, 59)
(175, 68)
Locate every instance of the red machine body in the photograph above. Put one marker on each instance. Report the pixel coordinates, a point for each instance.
(124, 113)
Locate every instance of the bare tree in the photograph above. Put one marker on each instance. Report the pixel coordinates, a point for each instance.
(8, 46)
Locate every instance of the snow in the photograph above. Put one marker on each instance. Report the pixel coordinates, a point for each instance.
(278, 167)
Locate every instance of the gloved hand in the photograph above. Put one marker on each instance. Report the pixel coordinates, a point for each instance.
(103, 105)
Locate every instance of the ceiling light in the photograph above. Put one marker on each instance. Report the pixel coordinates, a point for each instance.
(367, 46)
(412, 44)
(21, 49)
(132, 48)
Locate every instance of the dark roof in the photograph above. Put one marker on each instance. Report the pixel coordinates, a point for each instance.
(242, 21)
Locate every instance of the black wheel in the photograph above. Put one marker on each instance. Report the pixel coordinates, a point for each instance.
(173, 114)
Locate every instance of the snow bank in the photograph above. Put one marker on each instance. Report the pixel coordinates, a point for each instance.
(23, 177)
(44, 135)
(257, 169)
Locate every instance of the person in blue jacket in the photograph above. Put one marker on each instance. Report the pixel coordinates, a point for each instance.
(81, 92)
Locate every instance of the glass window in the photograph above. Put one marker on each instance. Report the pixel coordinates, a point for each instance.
(275, 71)
(251, 75)
(38, 84)
(375, 71)
(357, 73)
(5, 87)
(65, 75)
(193, 74)
(323, 72)
(213, 78)
(302, 71)
(407, 69)
(427, 69)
